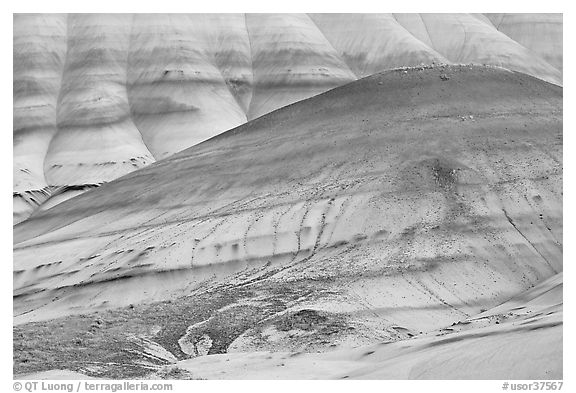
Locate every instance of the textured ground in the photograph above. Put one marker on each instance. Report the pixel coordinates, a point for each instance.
(326, 225)
(98, 96)
(520, 339)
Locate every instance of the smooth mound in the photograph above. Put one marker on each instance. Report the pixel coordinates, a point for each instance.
(378, 211)
(98, 96)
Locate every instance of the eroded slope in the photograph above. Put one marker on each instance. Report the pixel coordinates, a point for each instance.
(97, 96)
(339, 190)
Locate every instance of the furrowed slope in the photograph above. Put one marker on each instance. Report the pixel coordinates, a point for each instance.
(117, 92)
(179, 90)
(338, 193)
(541, 33)
(96, 140)
(39, 56)
(464, 38)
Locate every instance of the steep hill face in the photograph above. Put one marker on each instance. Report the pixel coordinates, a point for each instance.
(98, 96)
(390, 207)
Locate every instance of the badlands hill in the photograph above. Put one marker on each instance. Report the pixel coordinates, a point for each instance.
(98, 96)
(384, 210)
